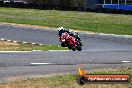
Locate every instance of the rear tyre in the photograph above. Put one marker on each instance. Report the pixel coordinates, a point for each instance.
(73, 48)
(63, 45)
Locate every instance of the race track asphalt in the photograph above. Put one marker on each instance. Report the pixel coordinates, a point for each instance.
(97, 53)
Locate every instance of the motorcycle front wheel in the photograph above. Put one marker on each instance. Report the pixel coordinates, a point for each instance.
(79, 48)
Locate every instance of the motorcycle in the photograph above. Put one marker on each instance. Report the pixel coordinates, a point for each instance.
(70, 43)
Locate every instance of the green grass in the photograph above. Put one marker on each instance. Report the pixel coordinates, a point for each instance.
(88, 21)
(9, 46)
(29, 47)
(67, 81)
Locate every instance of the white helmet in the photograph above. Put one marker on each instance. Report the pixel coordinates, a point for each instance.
(70, 30)
(60, 28)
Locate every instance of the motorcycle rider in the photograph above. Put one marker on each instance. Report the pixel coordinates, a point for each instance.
(70, 31)
(65, 37)
(62, 30)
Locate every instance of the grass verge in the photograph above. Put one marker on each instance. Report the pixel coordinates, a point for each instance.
(67, 81)
(88, 21)
(10, 46)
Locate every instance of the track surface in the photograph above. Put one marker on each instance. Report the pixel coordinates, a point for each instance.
(97, 54)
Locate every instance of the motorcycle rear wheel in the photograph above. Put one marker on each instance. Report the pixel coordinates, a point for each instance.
(72, 47)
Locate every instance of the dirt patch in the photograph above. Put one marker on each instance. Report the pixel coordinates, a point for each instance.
(7, 43)
(15, 78)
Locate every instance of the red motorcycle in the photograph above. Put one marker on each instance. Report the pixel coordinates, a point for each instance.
(69, 41)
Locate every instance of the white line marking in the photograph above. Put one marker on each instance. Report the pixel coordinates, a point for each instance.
(2, 39)
(14, 51)
(37, 50)
(126, 61)
(33, 43)
(125, 36)
(103, 34)
(41, 63)
(58, 50)
(9, 40)
(24, 42)
(89, 33)
(40, 44)
(15, 41)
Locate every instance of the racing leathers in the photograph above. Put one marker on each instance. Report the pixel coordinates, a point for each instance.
(65, 37)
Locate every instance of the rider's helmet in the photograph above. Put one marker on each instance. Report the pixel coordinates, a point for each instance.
(70, 30)
(65, 35)
(60, 28)
(76, 32)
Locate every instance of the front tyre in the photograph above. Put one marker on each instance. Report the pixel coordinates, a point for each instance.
(80, 43)
(73, 48)
(79, 48)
